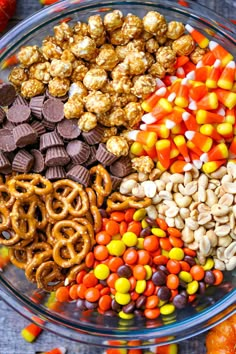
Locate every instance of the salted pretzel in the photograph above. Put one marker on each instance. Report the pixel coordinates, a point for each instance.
(89, 228)
(70, 244)
(71, 276)
(5, 220)
(102, 183)
(25, 185)
(118, 201)
(18, 257)
(65, 229)
(9, 238)
(36, 248)
(49, 276)
(5, 196)
(74, 200)
(31, 268)
(97, 219)
(24, 217)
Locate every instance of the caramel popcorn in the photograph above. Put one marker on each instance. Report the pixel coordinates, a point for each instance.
(132, 26)
(84, 48)
(60, 68)
(150, 59)
(143, 86)
(121, 70)
(58, 87)
(151, 45)
(40, 71)
(197, 54)
(136, 45)
(157, 70)
(118, 146)
(108, 87)
(31, 88)
(107, 59)
(113, 20)
(98, 102)
(155, 23)
(87, 122)
(63, 32)
(99, 41)
(67, 55)
(175, 30)
(95, 26)
(122, 85)
(81, 28)
(143, 164)
(123, 99)
(50, 49)
(133, 112)
(107, 133)
(146, 36)
(115, 117)
(94, 79)
(78, 88)
(18, 75)
(79, 71)
(121, 51)
(73, 108)
(137, 62)
(29, 55)
(184, 45)
(166, 57)
(119, 37)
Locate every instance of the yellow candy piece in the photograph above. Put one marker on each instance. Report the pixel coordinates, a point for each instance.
(192, 287)
(140, 286)
(185, 276)
(176, 253)
(140, 243)
(209, 264)
(122, 285)
(102, 271)
(126, 316)
(224, 129)
(158, 232)
(137, 149)
(149, 271)
(116, 247)
(130, 239)
(139, 214)
(122, 299)
(167, 309)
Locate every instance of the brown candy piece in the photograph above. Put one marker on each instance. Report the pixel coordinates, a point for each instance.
(121, 167)
(79, 174)
(56, 156)
(53, 110)
(2, 115)
(22, 162)
(38, 127)
(36, 106)
(116, 181)
(92, 157)
(94, 136)
(49, 125)
(19, 113)
(24, 135)
(39, 164)
(104, 156)
(7, 94)
(54, 173)
(50, 140)
(68, 129)
(7, 142)
(5, 164)
(20, 100)
(78, 151)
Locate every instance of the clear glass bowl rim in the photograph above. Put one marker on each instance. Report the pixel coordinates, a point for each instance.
(11, 40)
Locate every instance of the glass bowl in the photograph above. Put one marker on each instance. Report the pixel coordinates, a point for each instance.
(90, 327)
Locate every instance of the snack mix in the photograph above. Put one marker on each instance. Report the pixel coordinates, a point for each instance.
(118, 164)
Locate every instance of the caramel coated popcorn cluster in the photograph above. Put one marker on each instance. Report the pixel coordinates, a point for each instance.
(106, 67)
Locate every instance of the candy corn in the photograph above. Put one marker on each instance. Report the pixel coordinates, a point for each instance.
(182, 94)
(162, 108)
(174, 118)
(151, 101)
(218, 152)
(210, 130)
(198, 91)
(232, 148)
(180, 166)
(146, 138)
(59, 350)
(137, 149)
(208, 58)
(226, 97)
(220, 53)
(225, 130)
(212, 166)
(199, 38)
(226, 79)
(206, 117)
(203, 142)
(192, 147)
(214, 75)
(180, 143)
(208, 102)
(163, 152)
(31, 332)
(190, 121)
(195, 160)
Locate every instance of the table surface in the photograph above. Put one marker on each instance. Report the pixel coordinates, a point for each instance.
(12, 323)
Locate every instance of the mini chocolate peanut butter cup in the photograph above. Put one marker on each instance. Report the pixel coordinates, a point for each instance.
(92, 157)
(36, 106)
(116, 181)
(24, 135)
(121, 167)
(94, 136)
(39, 164)
(56, 156)
(62, 98)
(53, 110)
(7, 94)
(49, 125)
(8, 125)
(68, 129)
(19, 114)
(50, 139)
(5, 164)
(7, 143)
(79, 174)
(78, 151)
(104, 156)
(38, 127)
(23, 161)
(54, 173)
(20, 100)
(2, 115)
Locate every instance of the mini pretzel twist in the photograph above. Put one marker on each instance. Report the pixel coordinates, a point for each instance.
(70, 244)
(71, 276)
(5, 220)
(49, 276)
(102, 184)
(72, 197)
(36, 248)
(18, 257)
(118, 201)
(65, 229)
(31, 268)
(5, 196)
(25, 185)
(89, 228)
(97, 219)
(9, 238)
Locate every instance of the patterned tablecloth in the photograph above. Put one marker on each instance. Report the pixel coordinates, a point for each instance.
(12, 323)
